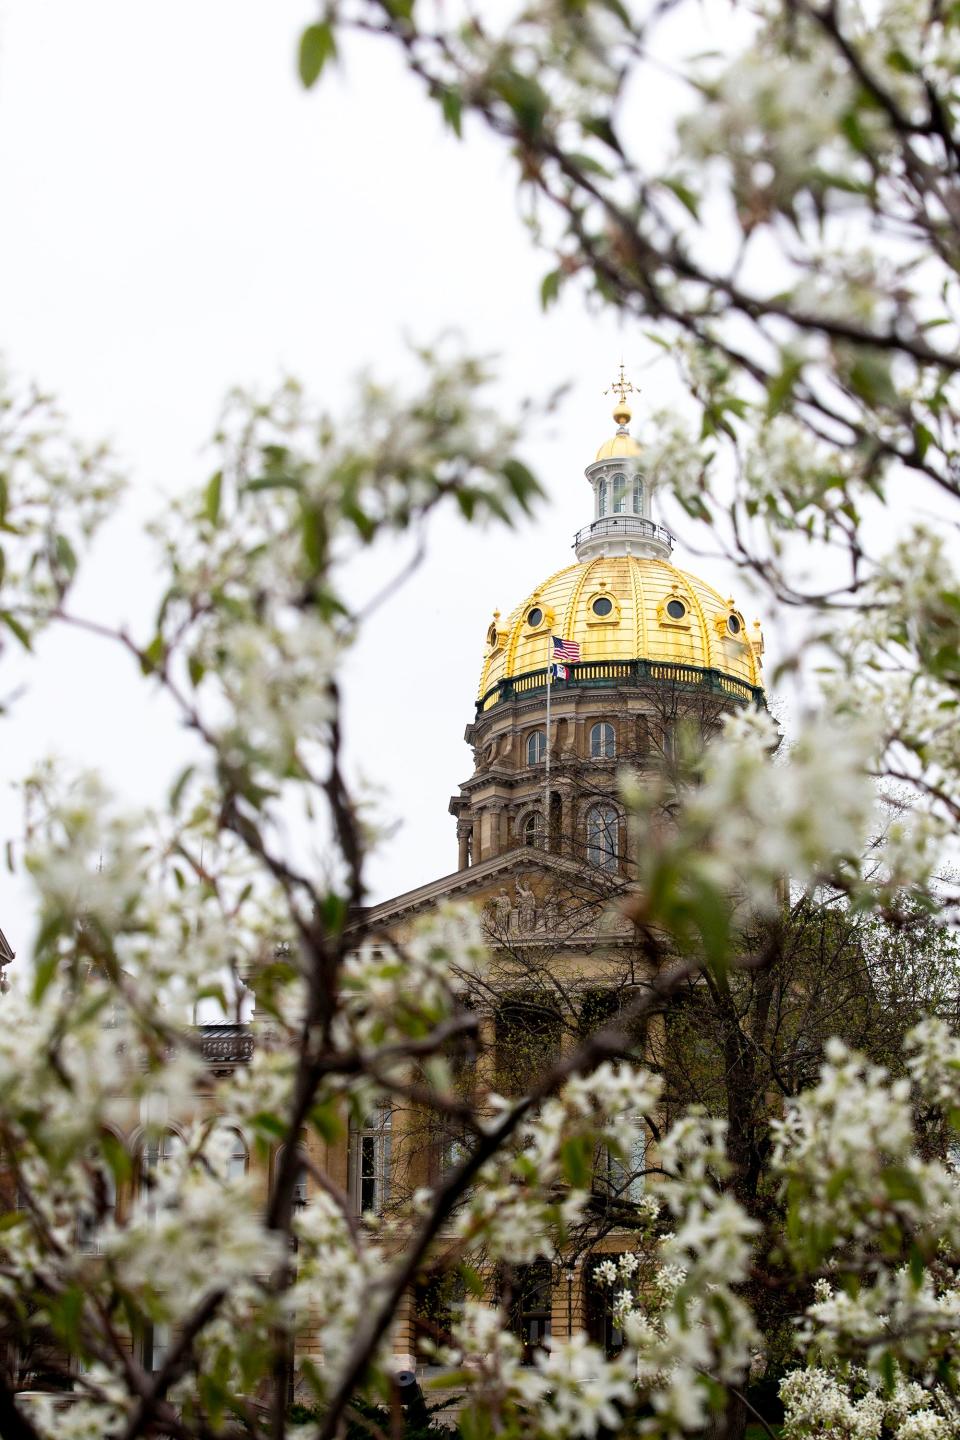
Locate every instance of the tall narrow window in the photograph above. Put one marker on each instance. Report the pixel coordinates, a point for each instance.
(602, 498)
(237, 1159)
(533, 830)
(98, 1209)
(301, 1185)
(602, 1327)
(620, 493)
(531, 1309)
(603, 741)
(622, 1177)
(637, 495)
(536, 747)
(370, 1162)
(156, 1347)
(602, 837)
(155, 1159)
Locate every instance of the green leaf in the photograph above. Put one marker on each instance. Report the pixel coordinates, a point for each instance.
(66, 556)
(781, 387)
(151, 659)
(684, 194)
(117, 1157)
(451, 104)
(870, 378)
(179, 785)
(317, 46)
(333, 912)
(14, 626)
(269, 1124)
(525, 98)
(576, 1161)
(196, 669)
(327, 1121)
(600, 126)
(902, 1184)
(211, 497)
(46, 968)
(922, 439)
(524, 485)
(550, 288)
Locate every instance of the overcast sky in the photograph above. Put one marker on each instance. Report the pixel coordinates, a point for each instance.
(180, 217)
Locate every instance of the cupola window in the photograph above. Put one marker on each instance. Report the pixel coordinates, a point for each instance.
(603, 741)
(638, 495)
(676, 609)
(602, 837)
(602, 494)
(534, 617)
(602, 605)
(536, 747)
(733, 624)
(620, 493)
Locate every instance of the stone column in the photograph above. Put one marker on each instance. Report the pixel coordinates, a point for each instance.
(463, 840)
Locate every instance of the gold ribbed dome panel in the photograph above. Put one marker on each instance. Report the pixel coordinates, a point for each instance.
(638, 629)
(619, 446)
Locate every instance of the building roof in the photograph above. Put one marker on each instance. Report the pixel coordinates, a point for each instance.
(651, 611)
(6, 953)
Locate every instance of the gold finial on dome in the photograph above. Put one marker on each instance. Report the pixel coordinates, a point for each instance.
(621, 387)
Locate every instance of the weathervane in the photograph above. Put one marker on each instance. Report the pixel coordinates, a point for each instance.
(620, 386)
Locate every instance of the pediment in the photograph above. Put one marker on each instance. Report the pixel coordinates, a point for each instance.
(518, 890)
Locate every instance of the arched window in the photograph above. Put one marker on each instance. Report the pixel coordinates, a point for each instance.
(603, 741)
(638, 495)
(301, 1185)
(620, 493)
(369, 1179)
(533, 830)
(536, 747)
(99, 1208)
(237, 1157)
(602, 837)
(602, 498)
(156, 1157)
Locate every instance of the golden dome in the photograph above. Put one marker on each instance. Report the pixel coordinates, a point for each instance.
(618, 445)
(648, 610)
(621, 444)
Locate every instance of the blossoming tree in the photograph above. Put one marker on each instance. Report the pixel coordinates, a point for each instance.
(817, 387)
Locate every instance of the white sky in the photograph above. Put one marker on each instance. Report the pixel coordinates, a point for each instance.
(180, 217)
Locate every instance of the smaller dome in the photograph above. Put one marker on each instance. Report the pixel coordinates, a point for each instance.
(619, 445)
(622, 445)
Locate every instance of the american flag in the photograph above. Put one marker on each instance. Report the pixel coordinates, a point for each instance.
(565, 649)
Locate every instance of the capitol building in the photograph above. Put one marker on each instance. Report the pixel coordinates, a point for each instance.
(604, 663)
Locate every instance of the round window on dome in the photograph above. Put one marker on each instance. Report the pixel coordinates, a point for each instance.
(602, 606)
(534, 617)
(733, 624)
(676, 609)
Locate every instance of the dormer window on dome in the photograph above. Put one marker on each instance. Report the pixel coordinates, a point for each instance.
(731, 625)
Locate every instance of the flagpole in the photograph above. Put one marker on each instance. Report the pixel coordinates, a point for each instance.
(546, 782)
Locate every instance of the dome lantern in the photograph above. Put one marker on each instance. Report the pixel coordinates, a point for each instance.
(622, 523)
